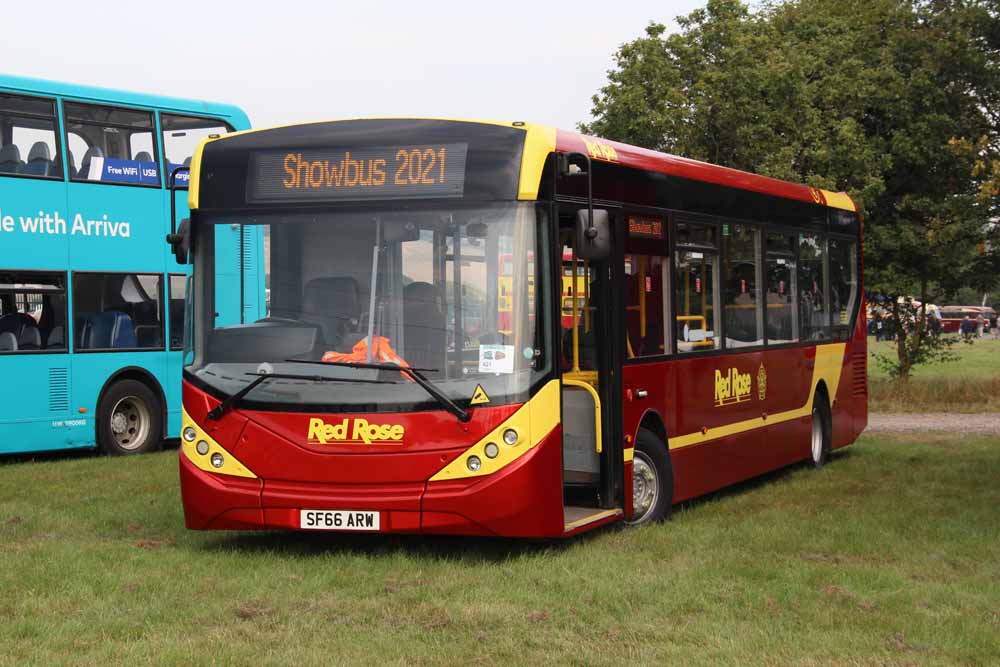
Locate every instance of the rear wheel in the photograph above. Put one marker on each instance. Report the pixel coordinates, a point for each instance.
(652, 479)
(820, 432)
(129, 419)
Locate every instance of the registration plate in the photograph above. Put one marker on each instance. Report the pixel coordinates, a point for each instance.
(338, 520)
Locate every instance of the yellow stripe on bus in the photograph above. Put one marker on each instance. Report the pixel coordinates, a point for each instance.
(828, 366)
(838, 200)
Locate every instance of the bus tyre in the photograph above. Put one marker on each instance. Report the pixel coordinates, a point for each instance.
(652, 480)
(129, 419)
(819, 442)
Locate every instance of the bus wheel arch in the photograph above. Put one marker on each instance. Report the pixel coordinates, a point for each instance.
(821, 426)
(131, 414)
(652, 472)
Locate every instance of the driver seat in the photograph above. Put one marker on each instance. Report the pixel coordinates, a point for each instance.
(332, 303)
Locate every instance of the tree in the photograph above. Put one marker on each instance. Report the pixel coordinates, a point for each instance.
(894, 101)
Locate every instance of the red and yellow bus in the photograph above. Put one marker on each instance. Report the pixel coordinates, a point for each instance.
(721, 336)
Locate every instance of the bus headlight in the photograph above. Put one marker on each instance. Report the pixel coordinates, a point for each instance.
(473, 463)
(217, 460)
(190, 434)
(510, 436)
(202, 447)
(491, 450)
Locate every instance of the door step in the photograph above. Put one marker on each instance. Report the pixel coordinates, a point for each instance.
(577, 517)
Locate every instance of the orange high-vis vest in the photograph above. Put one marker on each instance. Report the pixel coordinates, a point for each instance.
(382, 353)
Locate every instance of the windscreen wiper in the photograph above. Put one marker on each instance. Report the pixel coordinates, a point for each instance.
(413, 373)
(230, 402)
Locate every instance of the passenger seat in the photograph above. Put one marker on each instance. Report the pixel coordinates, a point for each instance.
(10, 159)
(8, 342)
(92, 152)
(30, 339)
(39, 160)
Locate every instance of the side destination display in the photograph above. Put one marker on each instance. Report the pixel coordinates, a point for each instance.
(344, 174)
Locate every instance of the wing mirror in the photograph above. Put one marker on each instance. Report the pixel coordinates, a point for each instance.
(180, 241)
(593, 234)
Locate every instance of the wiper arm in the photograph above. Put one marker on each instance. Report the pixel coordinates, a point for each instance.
(413, 373)
(230, 402)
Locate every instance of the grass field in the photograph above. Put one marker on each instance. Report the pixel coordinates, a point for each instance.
(888, 556)
(969, 384)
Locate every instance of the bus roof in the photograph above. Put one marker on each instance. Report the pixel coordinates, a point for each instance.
(543, 139)
(112, 96)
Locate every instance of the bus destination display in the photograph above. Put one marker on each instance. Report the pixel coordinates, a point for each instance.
(345, 174)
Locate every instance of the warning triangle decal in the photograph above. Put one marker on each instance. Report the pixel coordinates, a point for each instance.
(479, 396)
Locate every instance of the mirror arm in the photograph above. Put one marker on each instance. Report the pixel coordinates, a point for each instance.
(172, 237)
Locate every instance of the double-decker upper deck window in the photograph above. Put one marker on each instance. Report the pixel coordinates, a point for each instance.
(111, 144)
(32, 311)
(28, 145)
(181, 135)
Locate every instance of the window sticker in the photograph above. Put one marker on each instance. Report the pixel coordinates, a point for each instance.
(496, 359)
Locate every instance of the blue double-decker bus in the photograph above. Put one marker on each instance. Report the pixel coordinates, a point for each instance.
(91, 299)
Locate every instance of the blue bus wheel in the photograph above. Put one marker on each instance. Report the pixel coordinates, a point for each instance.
(129, 419)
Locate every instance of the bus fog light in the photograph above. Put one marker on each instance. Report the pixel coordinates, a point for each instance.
(510, 436)
(473, 463)
(190, 434)
(217, 460)
(201, 447)
(491, 450)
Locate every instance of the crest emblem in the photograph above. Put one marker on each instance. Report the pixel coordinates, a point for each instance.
(762, 382)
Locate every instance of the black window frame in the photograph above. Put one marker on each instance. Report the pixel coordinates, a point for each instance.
(60, 146)
(153, 129)
(170, 320)
(65, 309)
(160, 294)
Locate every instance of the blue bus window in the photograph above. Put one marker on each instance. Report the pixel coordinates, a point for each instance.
(111, 144)
(118, 311)
(28, 145)
(32, 311)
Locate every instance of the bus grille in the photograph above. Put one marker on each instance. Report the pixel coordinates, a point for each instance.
(58, 390)
(860, 380)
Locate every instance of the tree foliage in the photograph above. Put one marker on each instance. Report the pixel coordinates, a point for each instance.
(896, 102)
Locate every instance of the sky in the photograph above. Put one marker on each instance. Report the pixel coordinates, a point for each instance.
(302, 60)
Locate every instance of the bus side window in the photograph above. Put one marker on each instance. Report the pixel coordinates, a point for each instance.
(32, 311)
(696, 287)
(814, 313)
(28, 145)
(118, 311)
(744, 314)
(182, 134)
(111, 144)
(843, 285)
(782, 295)
(645, 273)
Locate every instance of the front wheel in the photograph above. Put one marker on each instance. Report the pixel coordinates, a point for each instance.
(820, 432)
(129, 419)
(652, 480)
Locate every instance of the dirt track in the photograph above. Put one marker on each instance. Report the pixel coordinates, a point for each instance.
(987, 423)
